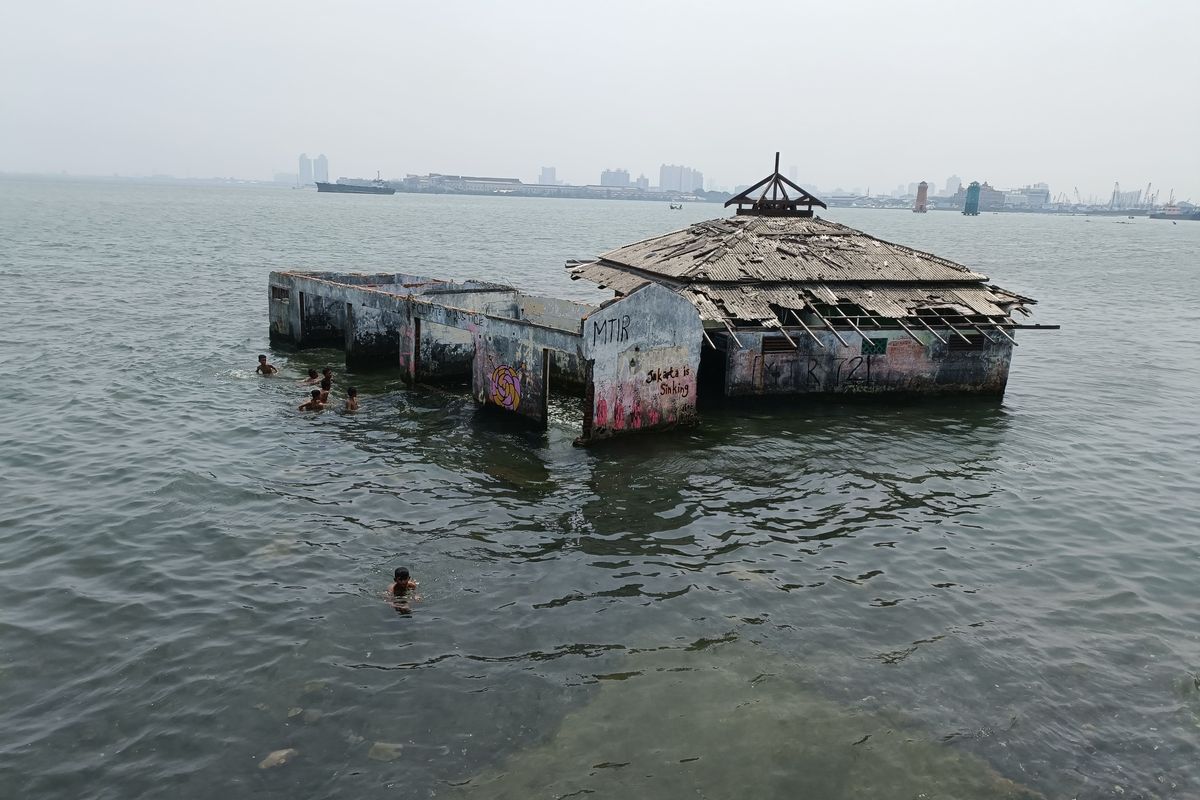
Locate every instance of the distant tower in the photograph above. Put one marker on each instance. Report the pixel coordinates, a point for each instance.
(306, 174)
(953, 184)
(971, 206)
(549, 176)
(922, 204)
(321, 169)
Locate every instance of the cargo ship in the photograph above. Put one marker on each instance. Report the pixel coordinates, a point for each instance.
(1175, 213)
(376, 186)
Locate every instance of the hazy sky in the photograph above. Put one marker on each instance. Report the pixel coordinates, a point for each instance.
(853, 93)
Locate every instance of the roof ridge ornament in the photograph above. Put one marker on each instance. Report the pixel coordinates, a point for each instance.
(779, 203)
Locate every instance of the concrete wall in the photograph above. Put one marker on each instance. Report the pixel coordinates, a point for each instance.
(447, 354)
(373, 337)
(382, 329)
(551, 311)
(510, 374)
(644, 354)
(893, 362)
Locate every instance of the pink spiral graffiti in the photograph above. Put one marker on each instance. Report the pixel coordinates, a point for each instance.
(506, 387)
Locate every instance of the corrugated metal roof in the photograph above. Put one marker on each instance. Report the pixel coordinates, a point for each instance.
(607, 277)
(751, 269)
(750, 248)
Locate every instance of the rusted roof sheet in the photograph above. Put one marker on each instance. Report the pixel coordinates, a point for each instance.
(607, 277)
(750, 248)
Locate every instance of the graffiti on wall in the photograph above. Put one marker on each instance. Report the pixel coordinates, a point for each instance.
(672, 380)
(506, 387)
(613, 329)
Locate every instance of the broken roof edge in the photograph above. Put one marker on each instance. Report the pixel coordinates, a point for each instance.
(619, 296)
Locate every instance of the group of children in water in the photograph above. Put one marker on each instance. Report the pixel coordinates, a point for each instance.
(402, 586)
(318, 398)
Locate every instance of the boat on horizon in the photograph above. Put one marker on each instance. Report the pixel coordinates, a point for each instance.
(377, 186)
(1175, 213)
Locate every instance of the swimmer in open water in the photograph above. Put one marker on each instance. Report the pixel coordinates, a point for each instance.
(402, 583)
(314, 404)
(312, 378)
(352, 399)
(399, 591)
(326, 385)
(327, 373)
(265, 369)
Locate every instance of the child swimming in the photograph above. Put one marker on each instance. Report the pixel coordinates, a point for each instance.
(314, 404)
(402, 583)
(265, 369)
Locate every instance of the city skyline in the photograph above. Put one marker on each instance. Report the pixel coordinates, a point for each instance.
(1036, 194)
(223, 90)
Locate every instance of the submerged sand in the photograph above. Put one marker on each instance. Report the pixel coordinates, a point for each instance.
(723, 722)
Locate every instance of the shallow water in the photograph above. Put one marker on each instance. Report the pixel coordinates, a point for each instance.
(190, 571)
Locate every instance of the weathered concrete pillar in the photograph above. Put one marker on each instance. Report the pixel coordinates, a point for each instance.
(511, 374)
(644, 354)
(410, 338)
(281, 309)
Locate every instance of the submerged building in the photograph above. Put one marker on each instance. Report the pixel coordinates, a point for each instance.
(772, 301)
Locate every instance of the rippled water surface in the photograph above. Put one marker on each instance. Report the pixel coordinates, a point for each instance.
(960, 599)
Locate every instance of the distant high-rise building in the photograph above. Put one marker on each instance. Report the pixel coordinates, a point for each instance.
(793, 173)
(321, 169)
(306, 172)
(912, 189)
(642, 182)
(673, 178)
(669, 178)
(953, 184)
(614, 177)
(548, 176)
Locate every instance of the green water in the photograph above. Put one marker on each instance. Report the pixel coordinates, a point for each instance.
(1000, 596)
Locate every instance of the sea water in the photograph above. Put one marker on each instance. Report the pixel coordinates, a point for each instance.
(959, 598)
